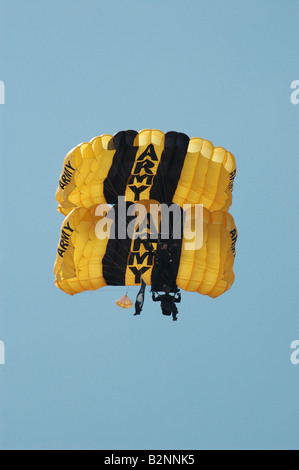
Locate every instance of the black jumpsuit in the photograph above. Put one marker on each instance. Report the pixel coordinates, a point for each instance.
(168, 306)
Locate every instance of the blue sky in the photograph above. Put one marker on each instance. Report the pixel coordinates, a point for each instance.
(81, 373)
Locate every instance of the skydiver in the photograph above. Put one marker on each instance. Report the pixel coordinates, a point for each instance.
(168, 302)
(164, 263)
(140, 298)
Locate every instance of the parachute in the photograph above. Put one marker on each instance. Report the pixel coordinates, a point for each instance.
(124, 302)
(111, 191)
(170, 168)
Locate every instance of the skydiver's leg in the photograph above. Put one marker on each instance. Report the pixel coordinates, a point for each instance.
(174, 313)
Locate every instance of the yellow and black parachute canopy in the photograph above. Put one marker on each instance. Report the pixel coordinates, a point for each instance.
(167, 167)
(145, 166)
(86, 260)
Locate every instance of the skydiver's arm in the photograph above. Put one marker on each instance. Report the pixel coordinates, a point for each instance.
(178, 298)
(156, 299)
